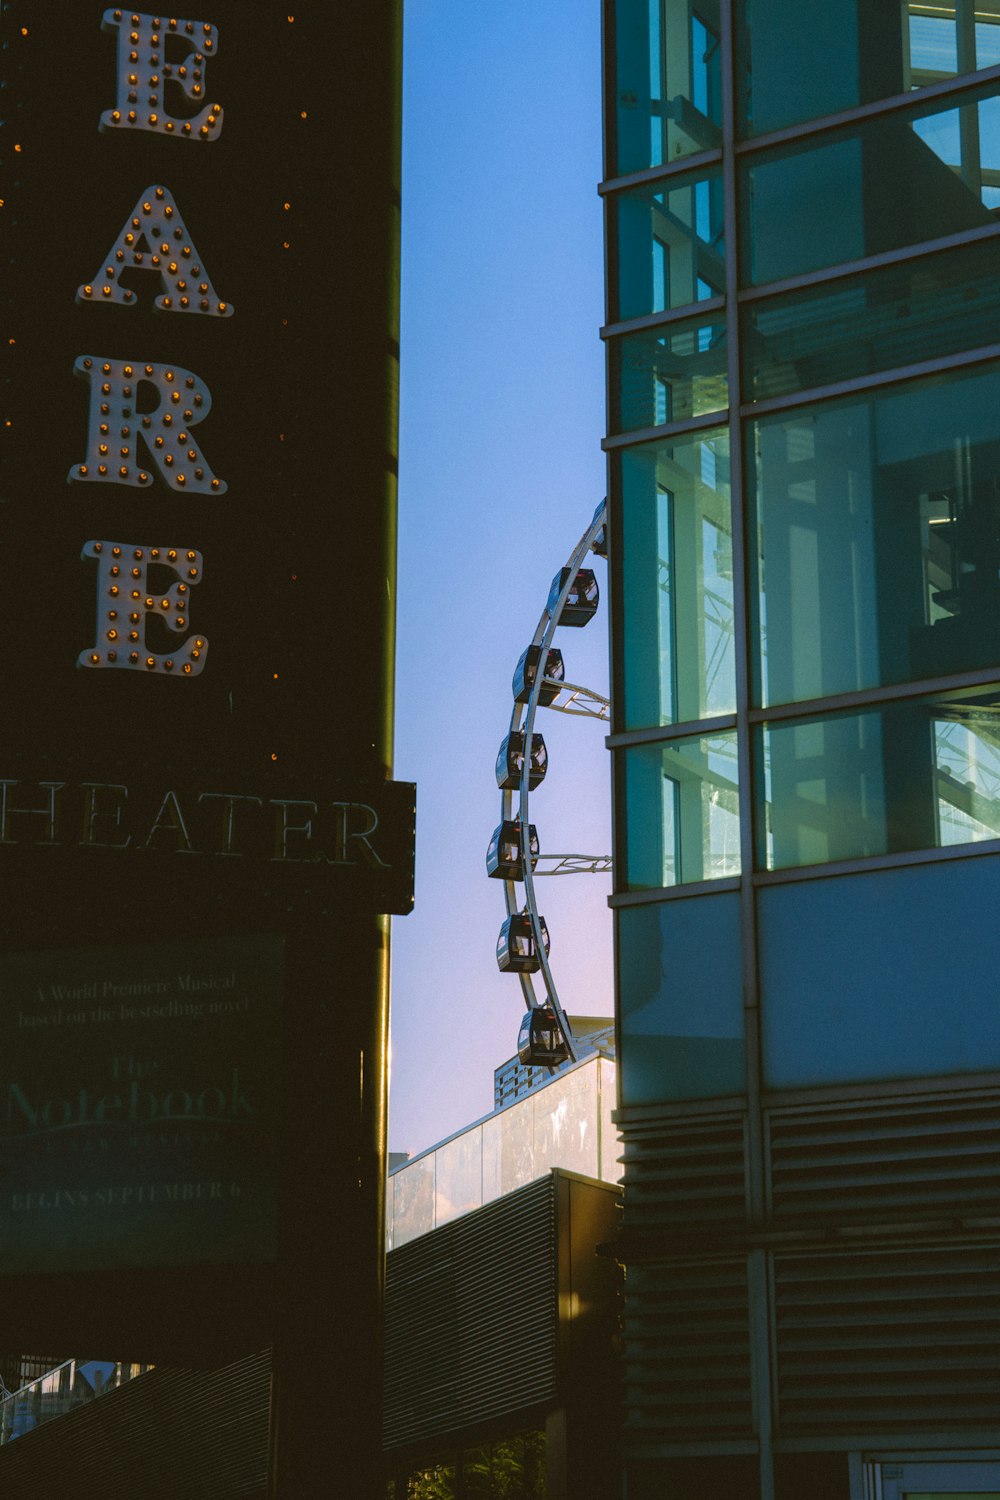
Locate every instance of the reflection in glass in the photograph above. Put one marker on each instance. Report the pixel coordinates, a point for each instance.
(943, 41)
(967, 771)
(413, 1201)
(458, 1177)
(61, 1390)
(682, 812)
(893, 182)
(608, 1168)
(669, 98)
(884, 319)
(850, 52)
(878, 525)
(557, 1125)
(670, 245)
(565, 1122)
(517, 1157)
(492, 1138)
(967, 139)
(920, 775)
(676, 639)
(668, 374)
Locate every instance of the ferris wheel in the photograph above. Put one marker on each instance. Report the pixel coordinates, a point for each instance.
(514, 856)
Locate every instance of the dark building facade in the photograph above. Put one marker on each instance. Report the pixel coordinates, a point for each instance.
(502, 1375)
(803, 349)
(199, 837)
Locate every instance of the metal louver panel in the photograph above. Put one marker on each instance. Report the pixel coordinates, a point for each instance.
(471, 1318)
(877, 1161)
(684, 1173)
(901, 1341)
(168, 1435)
(686, 1325)
(687, 1359)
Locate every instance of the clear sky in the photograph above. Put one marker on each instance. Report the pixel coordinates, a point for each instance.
(502, 412)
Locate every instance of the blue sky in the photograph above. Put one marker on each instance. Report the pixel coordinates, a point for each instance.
(502, 412)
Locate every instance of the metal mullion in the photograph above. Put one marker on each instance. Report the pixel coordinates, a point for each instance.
(657, 733)
(865, 863)
(876, 109)
(609, 89)
(741, 630)
(689, 310)
(761, 1381)
(678, 892)
(667, 430)
(612, 483)
(894, 692)
(850, 269)
(697, 162)
(861, 383)
(862, 864)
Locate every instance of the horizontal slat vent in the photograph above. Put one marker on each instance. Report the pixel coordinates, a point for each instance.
(684, 1173)
(169, 1433)
(903, 1341)
(687, 1353)
(471, 1313)
(877, 1162)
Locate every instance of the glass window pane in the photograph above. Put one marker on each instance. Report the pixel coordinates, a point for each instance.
(878, 528)
(517, 1154)
(893, 182)
(675, 644)
(852, 983)
(610, 1167)
(669, 99)
(806, 58)
(458, 1177)
(680, 983)
(668, 374)
(887, 318)
(682, 812)
(670, 245)
(565, 1123)
(413, 1200)
(492, 1157)
(919, 775)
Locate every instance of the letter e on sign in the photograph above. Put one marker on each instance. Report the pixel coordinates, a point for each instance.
(152, 61)
(124, 604)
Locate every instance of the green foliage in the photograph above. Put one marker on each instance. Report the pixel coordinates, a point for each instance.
(511, 1469)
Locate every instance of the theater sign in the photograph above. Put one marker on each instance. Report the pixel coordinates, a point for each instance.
(196, 545)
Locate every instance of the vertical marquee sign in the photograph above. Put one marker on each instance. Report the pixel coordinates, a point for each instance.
(198, 833)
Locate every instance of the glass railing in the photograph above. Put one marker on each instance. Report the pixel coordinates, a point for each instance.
(61, 1390)
(567, 1124)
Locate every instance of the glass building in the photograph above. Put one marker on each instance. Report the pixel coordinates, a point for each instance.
(803, 355)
